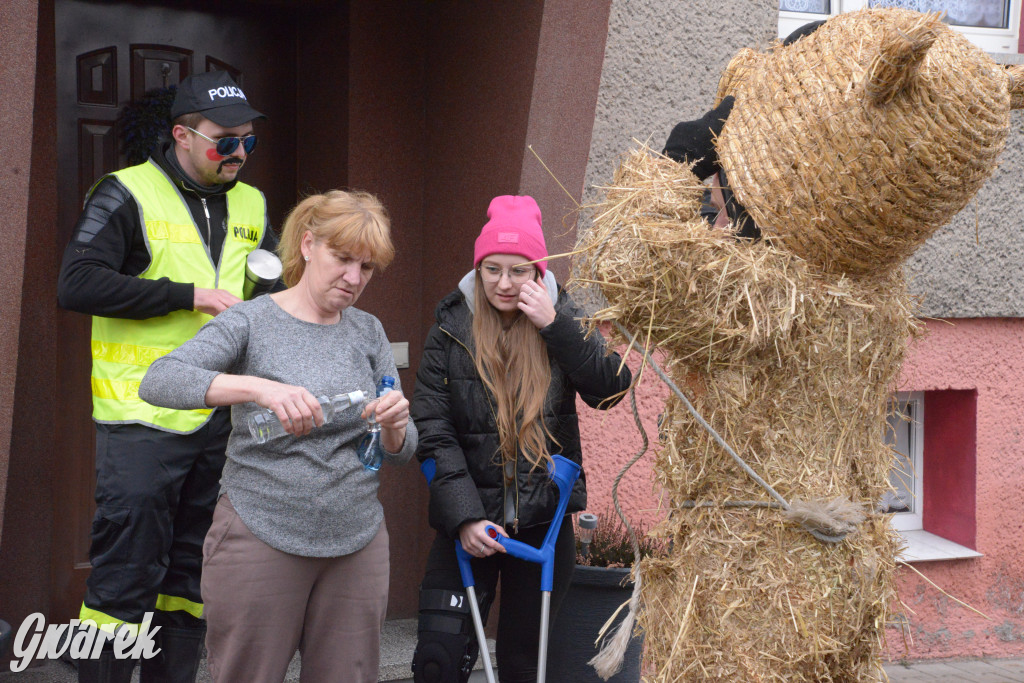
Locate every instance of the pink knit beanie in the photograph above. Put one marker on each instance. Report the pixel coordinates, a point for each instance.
(513, 228)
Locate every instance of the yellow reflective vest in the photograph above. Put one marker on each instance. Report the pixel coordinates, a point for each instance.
(123, 349)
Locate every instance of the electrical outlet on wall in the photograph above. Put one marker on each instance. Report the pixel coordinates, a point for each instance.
(401, 352)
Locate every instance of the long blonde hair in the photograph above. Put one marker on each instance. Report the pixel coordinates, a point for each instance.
(345, 221)
(514, 366)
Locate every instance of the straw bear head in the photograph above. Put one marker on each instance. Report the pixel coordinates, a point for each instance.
(852, 145)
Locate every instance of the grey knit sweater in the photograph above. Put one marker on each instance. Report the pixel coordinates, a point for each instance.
(307, 495)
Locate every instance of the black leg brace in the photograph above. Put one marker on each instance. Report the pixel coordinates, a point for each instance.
(446, 648)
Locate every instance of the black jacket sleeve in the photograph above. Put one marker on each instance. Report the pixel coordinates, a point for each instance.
(454, 498)
(600, 378)
(106, 253)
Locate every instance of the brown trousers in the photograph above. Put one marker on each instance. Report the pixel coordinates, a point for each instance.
(261, 605)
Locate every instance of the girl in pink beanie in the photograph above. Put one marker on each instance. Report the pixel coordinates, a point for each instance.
(495, 397)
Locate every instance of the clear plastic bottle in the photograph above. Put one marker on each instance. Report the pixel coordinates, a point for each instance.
(370, 451)
(264, 425)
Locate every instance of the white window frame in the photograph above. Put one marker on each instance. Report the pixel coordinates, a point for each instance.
(920, 545)
(914, 518)
(992, 40)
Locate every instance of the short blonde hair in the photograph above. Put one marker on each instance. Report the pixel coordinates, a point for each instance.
(347, 221)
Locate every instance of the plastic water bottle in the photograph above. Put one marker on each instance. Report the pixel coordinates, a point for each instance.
(370, 452)
(264, 425)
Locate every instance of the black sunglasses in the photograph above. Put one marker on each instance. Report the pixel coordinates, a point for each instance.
(227, 146)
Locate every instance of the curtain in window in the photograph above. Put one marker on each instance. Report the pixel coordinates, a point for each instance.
(811, 6)
(982, 13)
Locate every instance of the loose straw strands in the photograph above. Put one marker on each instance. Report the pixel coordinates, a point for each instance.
(792, 367)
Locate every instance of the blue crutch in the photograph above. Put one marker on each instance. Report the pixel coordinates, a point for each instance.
(564, 473)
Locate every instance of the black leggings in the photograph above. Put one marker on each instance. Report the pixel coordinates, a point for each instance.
(519, 617)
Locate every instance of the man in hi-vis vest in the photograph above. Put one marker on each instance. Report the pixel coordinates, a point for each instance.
(159, 249)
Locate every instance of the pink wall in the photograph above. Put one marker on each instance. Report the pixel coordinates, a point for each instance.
(983, 358)
(985, 355)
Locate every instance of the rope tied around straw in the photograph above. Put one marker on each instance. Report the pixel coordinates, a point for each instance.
(828, 521)
(831, 520)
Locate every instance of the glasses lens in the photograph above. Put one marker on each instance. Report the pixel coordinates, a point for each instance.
(225, 146)
(520, 275)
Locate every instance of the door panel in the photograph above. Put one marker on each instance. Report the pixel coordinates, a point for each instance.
(157, 66)
(109, 53)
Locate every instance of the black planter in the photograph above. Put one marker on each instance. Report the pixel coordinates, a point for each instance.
(595, 593)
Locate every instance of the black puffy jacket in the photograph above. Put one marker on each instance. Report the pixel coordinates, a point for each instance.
(454, 414)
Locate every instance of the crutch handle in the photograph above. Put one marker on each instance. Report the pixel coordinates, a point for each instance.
(563, 473)
(517, 548)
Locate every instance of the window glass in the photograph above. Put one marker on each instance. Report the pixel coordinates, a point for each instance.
(905, 436)
(992, 25)
(900, 437)
(976, 13)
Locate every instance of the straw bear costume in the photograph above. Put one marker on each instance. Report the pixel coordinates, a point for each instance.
(848, 148)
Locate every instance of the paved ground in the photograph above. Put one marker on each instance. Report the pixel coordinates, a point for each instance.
(965, 670)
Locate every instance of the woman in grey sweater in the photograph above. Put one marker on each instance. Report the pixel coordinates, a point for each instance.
(297, 556)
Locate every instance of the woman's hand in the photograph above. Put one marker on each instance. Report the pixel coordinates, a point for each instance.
(296, 408)
(476, 542)
(392, 414)
(535, 303)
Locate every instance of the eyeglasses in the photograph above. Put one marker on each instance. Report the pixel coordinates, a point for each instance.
(227, 146)
(517, 275)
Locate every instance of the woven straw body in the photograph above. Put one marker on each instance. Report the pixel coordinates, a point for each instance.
(808, 414)
(859, 140)
(792, 366)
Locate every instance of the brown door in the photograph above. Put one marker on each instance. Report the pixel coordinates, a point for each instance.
(109, 54)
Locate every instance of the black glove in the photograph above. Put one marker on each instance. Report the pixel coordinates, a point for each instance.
(741, 220)
(805, 30)
(693, 140)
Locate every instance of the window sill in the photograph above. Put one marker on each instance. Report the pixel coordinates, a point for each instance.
(923, 546)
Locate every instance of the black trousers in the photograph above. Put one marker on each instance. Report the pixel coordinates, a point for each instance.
(519, 617)
(155, 494)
